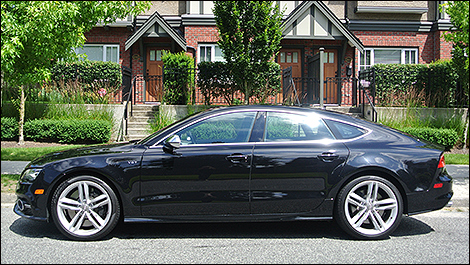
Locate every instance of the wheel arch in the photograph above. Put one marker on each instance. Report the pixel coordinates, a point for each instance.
(374, 171)
(75, 173)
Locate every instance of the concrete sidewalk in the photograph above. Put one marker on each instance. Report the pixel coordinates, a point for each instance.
(458, 172)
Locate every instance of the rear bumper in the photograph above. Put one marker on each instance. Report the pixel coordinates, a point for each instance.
(436, 197)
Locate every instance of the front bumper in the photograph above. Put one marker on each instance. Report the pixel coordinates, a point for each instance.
(30, 205)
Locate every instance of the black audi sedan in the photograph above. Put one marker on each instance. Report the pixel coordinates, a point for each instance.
(246, 163)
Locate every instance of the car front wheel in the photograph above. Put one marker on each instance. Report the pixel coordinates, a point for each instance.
(85, 208)
(369, 207)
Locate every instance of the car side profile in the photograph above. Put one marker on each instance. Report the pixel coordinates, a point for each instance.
(244, 163)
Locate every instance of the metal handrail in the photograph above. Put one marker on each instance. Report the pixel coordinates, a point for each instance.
(125, 116)
(374, 111)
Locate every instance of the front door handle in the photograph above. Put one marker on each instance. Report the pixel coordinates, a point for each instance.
(237, 158)
(328, 156)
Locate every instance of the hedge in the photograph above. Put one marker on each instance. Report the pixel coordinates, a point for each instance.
(88, 73)
(445, 137)
(9, 128)
(68, 131)
(430, 85)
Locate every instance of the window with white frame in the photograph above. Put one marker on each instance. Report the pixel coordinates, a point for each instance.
(443, 14)
(387, 56)
(210, 53)
(100, 52)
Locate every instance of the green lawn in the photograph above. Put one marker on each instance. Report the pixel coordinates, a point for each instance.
(30, 153)
(456, 159)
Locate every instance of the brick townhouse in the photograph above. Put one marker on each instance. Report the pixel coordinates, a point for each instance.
(354, 35)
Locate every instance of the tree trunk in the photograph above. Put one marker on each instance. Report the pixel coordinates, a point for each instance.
(21, 121)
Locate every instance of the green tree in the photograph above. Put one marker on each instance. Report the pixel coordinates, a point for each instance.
(250, 34)
(459, 16)
(36, 34)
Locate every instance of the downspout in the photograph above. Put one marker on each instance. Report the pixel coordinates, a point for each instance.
(193, 89)
(194, 53)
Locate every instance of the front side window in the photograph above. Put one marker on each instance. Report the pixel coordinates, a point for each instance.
(294, 127)
(100, 52)
(373, 56)
(228, 128)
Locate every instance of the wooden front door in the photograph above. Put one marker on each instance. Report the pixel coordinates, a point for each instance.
(330, 70)
(154, 72)
(291, 57)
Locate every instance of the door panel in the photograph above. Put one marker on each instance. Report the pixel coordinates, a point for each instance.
(197, 180)
(208, 174)
(291, 168)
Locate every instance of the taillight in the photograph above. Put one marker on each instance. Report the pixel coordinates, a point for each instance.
(442, 162)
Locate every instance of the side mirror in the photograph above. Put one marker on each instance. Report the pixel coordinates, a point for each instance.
(173, 142)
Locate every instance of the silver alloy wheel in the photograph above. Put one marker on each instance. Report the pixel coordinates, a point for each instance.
(371, 207)
(84, 208)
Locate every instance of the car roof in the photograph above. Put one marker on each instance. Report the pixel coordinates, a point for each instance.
(297, 109)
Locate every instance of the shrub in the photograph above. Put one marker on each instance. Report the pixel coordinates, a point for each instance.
(214, 80)
(445, 137)
(9, 128)
(178, 77)
(69, 131)
(160, 121)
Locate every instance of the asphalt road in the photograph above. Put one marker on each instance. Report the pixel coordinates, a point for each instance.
(436, 237)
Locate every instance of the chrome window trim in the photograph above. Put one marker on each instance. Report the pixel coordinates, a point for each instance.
(369, 131)
(202, 119)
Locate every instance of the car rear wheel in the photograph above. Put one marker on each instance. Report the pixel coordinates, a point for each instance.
(369, 207)
(85, 208)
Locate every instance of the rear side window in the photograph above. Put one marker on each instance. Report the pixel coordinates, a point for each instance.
(293, 127)
(345, 131)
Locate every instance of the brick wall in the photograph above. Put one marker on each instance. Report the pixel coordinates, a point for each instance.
(115, 35)
(430, 46)
(200, 34)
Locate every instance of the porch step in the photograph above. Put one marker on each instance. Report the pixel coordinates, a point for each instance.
(138, 125)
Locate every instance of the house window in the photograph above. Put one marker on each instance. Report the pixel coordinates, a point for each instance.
(387, 56)
(210, 53)
(443, 14)
(100, 52)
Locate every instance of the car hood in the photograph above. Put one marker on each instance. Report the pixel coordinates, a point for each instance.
(83, 151)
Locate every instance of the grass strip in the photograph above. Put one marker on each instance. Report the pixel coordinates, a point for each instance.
(30, 153)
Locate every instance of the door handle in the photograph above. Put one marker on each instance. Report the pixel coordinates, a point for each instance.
(328, 156)
(236, 158)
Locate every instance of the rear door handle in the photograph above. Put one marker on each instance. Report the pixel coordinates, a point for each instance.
(236, 158)
(328, 156)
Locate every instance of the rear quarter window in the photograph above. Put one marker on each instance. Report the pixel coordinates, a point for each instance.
(345, 131)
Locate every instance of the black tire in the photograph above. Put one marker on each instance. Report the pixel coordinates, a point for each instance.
(85, 208)
(369, 207)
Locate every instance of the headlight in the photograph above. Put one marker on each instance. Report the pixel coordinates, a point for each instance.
(30, 174)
